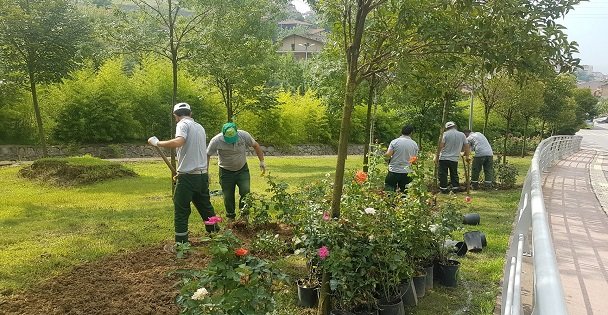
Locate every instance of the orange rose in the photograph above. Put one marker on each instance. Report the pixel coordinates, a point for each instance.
(241, 252)
(360, 177)
(413, 159)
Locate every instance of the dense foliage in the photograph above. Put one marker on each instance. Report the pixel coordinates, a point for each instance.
(126, 99)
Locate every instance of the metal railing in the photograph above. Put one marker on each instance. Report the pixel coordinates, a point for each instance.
(532, 221)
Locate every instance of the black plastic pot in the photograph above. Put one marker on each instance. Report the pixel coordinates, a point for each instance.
(394, 307)
(461, 249)
(429, 277)
(484, 242)
(449, 273)
(408, 293)
(420, 284)
(471, 219)
(473, 241)
(308, 296)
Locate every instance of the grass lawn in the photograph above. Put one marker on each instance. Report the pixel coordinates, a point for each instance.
(48, 230)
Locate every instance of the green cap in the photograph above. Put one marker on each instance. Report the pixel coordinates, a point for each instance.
(230, 132)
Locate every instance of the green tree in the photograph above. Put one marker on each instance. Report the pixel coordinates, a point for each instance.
(602, 107)
(238, 52)
(531, 99)
(557, 98)
(163, 27)
(586, 104)
(40, 42)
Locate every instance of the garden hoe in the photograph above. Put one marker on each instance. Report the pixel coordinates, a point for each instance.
(467, 174)
(160, 152)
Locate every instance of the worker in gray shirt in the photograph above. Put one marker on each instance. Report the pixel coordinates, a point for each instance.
(192, 181)
(231, 148)
(452, 143)
(400, 152)
(484, 158)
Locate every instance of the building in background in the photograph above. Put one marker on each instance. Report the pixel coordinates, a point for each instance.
(301, 39)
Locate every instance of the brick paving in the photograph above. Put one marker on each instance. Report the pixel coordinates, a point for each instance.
(576, 197)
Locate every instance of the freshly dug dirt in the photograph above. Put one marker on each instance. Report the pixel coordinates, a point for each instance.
(132, 283)
(75, 171)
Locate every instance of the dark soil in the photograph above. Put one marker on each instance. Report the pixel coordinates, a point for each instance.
(247, 232)
(134, 283)
(74, 172)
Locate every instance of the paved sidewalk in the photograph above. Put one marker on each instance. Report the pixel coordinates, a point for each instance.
(575, 190)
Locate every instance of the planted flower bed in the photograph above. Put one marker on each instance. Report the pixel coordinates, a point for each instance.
(367, 255)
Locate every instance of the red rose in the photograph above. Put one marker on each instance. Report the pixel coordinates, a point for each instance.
(241, 252)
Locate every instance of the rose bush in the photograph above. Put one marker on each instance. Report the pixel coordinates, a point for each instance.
(234, 282)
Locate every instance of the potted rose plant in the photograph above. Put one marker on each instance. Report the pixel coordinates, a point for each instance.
(449, 218)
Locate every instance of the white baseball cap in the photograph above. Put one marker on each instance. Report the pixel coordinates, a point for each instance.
(447, 125)
(181, 106)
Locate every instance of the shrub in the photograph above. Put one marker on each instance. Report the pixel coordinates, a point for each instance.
(75, 170)
(234, 282)
(506, 175)
(96, 118)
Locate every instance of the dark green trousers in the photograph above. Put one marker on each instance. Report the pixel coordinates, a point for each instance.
(394, 181)
(191, 188)
(485, 162)
(229, 180)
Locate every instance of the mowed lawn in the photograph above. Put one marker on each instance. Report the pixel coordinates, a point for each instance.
(47, 230)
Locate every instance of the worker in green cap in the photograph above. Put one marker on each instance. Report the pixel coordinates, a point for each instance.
(231, 148)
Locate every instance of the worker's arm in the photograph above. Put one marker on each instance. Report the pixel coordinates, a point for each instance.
(173, 143)
(258, 151)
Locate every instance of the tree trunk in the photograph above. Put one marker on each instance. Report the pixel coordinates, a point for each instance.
(352, 50)
(504, 143)
(174, 52)
(542, 130)
(41, 135)
(486, 116)
(368, 125)
(523, 147)
(173, 102)
(444, 117)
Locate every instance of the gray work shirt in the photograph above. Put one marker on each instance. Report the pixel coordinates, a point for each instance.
(231, 156)
(454, 141)
(191, 157)
(403, 149)
(479, 143)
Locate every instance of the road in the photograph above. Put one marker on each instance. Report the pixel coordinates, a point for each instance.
(596, 138)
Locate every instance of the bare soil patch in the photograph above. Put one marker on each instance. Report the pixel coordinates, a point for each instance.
(133, 283)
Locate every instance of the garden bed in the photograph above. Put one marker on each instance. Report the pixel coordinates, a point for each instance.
(138, 282)
(75, 171)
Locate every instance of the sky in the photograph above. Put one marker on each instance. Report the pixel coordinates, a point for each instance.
(301, 5)
(587, 24)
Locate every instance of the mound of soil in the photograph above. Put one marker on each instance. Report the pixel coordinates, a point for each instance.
(132, 283)
(75, 171)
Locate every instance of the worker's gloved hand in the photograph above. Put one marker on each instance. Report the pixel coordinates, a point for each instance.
(262, 167)
(153, 141)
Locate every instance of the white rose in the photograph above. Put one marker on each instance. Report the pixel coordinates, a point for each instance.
(370, 210)
(200, 294)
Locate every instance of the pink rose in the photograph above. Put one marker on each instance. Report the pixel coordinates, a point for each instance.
(326, 216)
(323, 252)
(213, 220)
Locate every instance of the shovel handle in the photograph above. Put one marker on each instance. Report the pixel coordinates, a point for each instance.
(160, 152)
